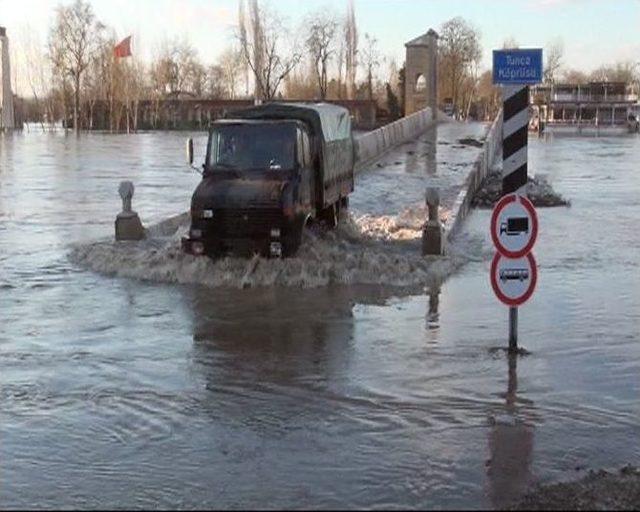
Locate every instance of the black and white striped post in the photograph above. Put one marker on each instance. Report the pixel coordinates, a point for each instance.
(515, 70)
(515, 133)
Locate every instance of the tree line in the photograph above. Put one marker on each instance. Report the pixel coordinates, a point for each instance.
(471, 94)
(267, 58)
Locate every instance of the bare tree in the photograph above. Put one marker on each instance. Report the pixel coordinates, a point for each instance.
(60, 80)
(459, 48)
(510, 43)
(370, 61)
(243, 36)
(471, 85)
(231, 65)
(340, 61)
(164, 74)
(392, 73)
(133, 87)
(73, 40)
(574, 76)
(196, 79)
(619, 72)
(177, 70)
(489, 97)
(38, 75)
(300, 83)
(321, 28)
(216, 82)
(553, 58)
(258, 44)
(268, 50)
(351, 50)
(98, 82)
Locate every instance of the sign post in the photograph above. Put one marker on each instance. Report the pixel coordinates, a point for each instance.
(514, 271)
(513, 330)
(515, 70)
(515, 233)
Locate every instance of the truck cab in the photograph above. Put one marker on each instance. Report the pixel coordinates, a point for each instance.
(268, 170)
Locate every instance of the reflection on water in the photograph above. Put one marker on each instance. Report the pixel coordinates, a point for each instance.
(510, 447)
(121, 393)
(434, 301)
(278, 336)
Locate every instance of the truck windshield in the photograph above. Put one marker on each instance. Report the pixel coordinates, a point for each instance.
(253, 146)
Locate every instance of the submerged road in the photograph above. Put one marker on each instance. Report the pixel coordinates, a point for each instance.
(378, 243)
(441, 157)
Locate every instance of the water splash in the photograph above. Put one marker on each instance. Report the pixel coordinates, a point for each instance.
(365, 250)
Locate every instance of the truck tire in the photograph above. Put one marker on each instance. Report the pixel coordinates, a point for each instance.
(292, 243)
(330, 215)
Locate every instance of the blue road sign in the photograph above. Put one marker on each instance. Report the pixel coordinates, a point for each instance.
(513, 67)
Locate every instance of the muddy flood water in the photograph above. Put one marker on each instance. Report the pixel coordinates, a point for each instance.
(121, 386)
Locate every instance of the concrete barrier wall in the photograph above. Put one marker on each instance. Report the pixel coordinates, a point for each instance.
(491, 150)
(372, 145)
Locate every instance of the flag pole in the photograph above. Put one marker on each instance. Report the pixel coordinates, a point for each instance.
(111, 71)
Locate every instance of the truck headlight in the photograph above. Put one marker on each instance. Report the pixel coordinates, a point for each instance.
(275, 249)
(207, 214)
(275, 232)
(197, 248)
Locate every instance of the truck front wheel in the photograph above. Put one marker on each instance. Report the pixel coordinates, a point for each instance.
(292, 243)
(330, 215)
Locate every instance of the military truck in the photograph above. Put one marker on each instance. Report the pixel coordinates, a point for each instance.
(268, 171)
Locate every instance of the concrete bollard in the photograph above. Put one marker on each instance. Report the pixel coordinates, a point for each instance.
(432, 231)
(128, 225)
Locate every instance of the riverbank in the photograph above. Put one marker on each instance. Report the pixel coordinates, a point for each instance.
(599, 490)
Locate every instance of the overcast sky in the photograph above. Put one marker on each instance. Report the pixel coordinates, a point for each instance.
(594, 32)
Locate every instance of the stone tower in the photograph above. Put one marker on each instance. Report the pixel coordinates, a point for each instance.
(7, 120)
(421, 74)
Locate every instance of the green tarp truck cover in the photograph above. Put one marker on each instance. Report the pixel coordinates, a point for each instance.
(331, 121)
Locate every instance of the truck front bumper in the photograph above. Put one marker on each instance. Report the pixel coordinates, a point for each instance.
(271, 247)
(193, 247)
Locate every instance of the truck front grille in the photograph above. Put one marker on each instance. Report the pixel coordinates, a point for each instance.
(241, 223)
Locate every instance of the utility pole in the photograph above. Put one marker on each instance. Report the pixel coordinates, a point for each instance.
(7, 119)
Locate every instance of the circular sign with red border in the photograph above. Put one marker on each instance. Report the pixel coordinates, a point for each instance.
(514, 226)
(514, 279)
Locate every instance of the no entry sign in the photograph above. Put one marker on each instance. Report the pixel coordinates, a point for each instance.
(514, 273)
(514, 226)
(514, 279)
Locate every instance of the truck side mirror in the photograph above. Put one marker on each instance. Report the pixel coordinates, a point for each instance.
(190, 152)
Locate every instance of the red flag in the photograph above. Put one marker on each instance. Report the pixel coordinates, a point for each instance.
(123, 49)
